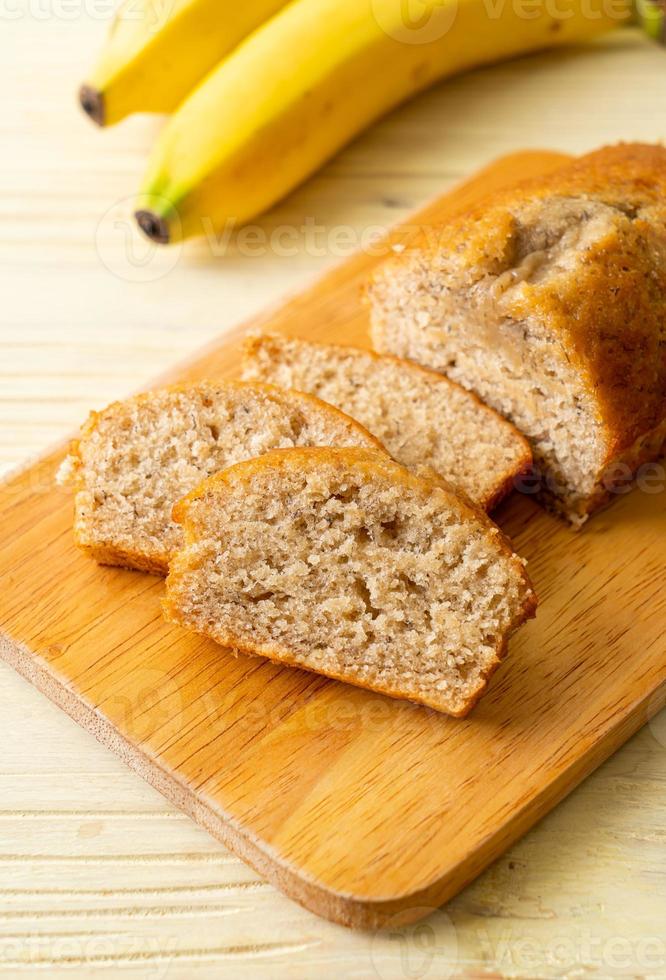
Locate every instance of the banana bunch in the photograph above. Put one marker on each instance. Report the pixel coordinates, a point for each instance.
(265, 92)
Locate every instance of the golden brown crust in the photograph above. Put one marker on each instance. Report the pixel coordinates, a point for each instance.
(281, 655)
(372, 463)
(107, 554)
(311, 458)
(505, 481)
(610, 317)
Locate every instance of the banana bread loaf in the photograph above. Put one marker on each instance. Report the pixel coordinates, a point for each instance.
(549, 301)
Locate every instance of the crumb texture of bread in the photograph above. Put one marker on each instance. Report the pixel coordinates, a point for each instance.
(549, 301)
(137, 457)
(421, 417)
(343, 562)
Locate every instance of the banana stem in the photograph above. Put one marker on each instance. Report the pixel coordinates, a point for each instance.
(92, 103)
(153, 226)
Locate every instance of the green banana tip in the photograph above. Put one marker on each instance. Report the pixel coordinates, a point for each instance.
(92, 103)
(153, 226)
(651, 15)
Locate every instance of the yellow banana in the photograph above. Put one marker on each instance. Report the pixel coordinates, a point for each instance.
(315, 75)
(157, 51)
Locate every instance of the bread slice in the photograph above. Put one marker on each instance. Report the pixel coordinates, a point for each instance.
(344, 562)
(137, 457)
(549, 301)
(421, 417)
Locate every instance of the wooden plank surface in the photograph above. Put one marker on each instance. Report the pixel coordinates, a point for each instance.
(359, 807)
(586, 890)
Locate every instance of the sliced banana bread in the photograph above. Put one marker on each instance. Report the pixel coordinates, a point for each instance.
(421, 417)
(549, 301)
(346, 563)
(137, 457)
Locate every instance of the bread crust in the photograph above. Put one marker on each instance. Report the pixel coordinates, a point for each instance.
(609, 321)
(505, 481)
(373, 463)
(112, 555)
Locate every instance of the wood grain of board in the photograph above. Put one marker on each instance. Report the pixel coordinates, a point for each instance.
(359, 807)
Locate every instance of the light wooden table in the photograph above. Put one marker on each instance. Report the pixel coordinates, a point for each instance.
(98, 875)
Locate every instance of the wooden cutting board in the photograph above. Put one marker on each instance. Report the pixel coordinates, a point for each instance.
(360, 807)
